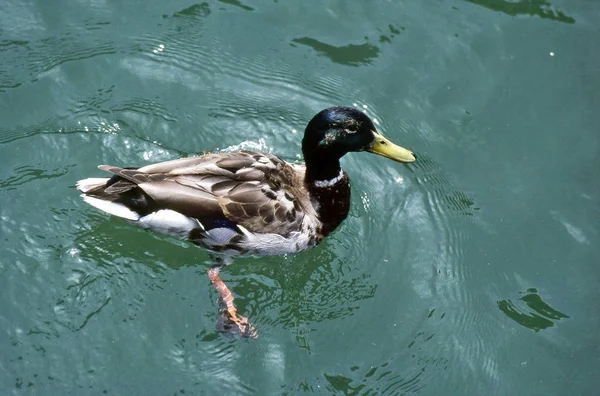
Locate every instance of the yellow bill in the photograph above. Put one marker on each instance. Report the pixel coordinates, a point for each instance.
(384, 147)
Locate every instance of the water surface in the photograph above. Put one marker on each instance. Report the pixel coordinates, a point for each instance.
(472, 271)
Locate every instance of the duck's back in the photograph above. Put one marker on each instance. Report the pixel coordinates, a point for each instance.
(221, 201)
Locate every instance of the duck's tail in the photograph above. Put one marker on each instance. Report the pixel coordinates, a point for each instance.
(94, 186)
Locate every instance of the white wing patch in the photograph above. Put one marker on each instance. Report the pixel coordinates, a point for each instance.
(168, 222)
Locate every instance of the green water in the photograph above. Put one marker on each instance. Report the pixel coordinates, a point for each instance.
(472, 271)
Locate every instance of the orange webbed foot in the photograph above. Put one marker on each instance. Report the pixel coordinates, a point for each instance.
(235, 325)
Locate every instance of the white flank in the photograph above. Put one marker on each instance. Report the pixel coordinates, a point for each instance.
(168, 222)
(115, 209)
(275, 244)
(86, 185)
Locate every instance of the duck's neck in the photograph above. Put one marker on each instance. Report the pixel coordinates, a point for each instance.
(321, 168)
(329, 190)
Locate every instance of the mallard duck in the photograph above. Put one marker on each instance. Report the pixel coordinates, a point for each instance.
(246, 202)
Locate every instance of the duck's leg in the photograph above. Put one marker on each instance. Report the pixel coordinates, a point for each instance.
(228, 321)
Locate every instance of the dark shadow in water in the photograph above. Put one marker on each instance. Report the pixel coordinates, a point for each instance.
(350, 55)
(541, 8)
(196, 10)
(537, 319)
(114, 239)
(394, 31)
(237, 3)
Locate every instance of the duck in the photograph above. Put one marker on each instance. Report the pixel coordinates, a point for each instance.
(246, 202)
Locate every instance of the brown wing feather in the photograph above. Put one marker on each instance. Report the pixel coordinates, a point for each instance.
(120, 187)
(189, 201)
(270, 205)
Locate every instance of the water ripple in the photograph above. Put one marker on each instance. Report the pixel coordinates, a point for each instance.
(26, 174)
(275, 294)
(409, 371)
(27, 60)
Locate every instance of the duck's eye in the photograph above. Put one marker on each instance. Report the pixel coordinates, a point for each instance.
(352, 128)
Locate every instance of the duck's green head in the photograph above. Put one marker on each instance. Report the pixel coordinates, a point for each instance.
(336, 131)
